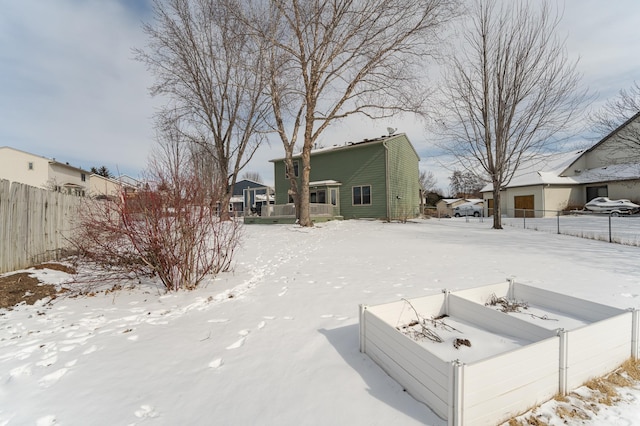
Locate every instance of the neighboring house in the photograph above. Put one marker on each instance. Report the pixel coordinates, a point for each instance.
(374, 178)
(445, 207)
(540, 188)
(249, 196)
(41, 172)
(100, 186)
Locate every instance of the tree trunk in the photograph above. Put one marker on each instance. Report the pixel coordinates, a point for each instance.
(224, 206)
(497, 213)
(305, 210)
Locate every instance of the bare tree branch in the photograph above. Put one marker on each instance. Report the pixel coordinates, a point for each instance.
(208, 68)
(619, 115)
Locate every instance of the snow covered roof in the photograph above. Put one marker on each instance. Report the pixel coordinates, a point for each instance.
(549, 172)
(348, 145)
(609, 173)
(543, 170)
(450, 200)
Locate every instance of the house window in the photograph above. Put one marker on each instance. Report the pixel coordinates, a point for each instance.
(334, 196)
(83, 177)
(30, 165)
(318, 196)
(362, 195)
(295, 170)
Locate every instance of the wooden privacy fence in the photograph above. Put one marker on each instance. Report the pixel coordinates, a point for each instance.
(34, 224)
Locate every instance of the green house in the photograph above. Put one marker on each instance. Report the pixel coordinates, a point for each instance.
(374, 178)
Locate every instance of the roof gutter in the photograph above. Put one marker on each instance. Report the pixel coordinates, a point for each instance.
(386, 179)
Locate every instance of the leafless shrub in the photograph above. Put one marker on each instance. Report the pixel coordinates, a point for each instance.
(425, 328)
(505, 305)
(171, 232)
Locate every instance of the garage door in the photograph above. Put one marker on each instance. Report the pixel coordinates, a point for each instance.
(524, 206)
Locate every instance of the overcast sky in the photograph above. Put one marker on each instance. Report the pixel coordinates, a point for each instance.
(70, 90)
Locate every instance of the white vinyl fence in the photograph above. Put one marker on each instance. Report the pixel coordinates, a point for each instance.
(551, 349)
(34, 224)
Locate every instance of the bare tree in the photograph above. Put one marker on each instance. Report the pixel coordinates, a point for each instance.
(465, 184)
(616, 112)
(510, 90)
(427, 184)
(428, 181)
(253, 176)
(169, 230)
(330, 59)
(208, 68)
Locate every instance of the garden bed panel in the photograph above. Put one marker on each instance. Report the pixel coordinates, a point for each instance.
(598, 349)
(495, 321)
(498, 388)
(569, 305)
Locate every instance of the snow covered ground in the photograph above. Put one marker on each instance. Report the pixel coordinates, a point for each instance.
(276, 341)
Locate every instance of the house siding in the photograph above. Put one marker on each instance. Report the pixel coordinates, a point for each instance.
(561, 197)
(14, 167)
(404, 194)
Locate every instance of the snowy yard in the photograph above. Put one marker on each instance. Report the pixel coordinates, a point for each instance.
(276, 341)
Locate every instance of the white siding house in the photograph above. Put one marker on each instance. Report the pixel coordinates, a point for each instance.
(568, 180)
(42, 172)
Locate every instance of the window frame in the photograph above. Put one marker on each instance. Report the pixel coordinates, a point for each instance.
(361, 195)
(296, 170)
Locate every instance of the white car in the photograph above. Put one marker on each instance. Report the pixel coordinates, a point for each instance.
(614, 207)
(468, 209)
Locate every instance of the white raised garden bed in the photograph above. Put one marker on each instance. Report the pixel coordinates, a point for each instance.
(474, 364)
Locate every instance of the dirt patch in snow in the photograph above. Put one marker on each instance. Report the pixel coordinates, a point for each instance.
(23, 287)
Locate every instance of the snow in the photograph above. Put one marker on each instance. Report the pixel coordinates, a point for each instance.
(275, 342)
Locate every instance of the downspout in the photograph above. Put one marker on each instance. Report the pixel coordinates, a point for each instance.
(386, 177)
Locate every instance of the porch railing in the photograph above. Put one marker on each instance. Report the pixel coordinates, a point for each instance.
(290, 210)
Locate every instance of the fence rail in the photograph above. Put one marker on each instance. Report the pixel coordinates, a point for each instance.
(623, 229)
(34, 224)
(620, 229)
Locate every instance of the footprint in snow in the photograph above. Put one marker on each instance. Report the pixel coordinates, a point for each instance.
(236, 344)
(48, 360)
(146, 411)
(216, 363)
(46, 420)
(218, 320)
(23, 370)
(283, 292)
(326, 316)
(261, 324)
(239, 342)
(93, 348)
(50, 379)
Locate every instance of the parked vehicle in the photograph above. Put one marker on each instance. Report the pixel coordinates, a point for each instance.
(468, 209)
(614, 207)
